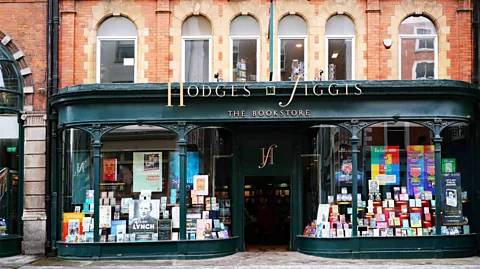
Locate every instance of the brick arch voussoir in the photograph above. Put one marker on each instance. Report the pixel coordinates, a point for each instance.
(22, 61)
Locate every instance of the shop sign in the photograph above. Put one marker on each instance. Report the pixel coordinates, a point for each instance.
(267, 156)
(12, 149)
(243, 91)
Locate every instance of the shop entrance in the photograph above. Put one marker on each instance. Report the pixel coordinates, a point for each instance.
(267, 213)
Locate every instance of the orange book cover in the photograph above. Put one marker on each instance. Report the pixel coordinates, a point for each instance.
(72, 224)
(110, 169)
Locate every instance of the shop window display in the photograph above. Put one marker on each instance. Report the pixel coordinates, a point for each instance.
(327, 182)
(456, 186)
(77, 170)
(209, 171)
(8, 175)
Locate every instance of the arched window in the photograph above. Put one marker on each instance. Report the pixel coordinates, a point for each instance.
(196, 41)
(244, 36)
(418, 49)
(116, 52)
(292, 35)
(340, 49)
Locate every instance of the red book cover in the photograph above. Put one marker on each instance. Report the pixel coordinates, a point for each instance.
(110, 169)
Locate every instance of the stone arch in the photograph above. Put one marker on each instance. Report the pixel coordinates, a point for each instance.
(20, 58)
(104, 10)
(301, 15)
(192, 14)
(433, 12)
(236, 15)
(349, 15)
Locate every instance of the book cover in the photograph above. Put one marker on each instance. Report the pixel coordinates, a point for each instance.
(466, 229)
(72, 226)
(110, 170)
(415, 220)
(405, 223)
(204, 229)
(105, 216)
(200, 184)
(397, 221)
(391, 203)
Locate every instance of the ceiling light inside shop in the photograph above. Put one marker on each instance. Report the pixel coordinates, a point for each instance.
(299, 45)
(334, 55)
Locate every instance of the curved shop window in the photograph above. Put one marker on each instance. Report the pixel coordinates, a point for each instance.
(139, 185)
(209, 184)
(457, 184)
(77, 186)
(327, 182)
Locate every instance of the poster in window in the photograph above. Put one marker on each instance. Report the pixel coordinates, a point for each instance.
(451, 190)
(415, 167)
(110, 170)
(200, 184)
(143, 218)
(147, 171)
(81, 176)
(429, 159)
(385, 164)
(193, 169)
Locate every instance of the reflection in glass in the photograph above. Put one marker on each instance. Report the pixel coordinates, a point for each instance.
(292, 59)
(77, 200)
(209, 184)
(327, 182)
(117, 61)
(244, 60)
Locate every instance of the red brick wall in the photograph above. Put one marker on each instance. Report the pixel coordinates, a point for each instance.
(26, 22)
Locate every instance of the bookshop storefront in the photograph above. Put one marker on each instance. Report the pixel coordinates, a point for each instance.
(11, 156)
(354, 169)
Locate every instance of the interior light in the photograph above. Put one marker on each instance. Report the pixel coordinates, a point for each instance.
(299, 45)
(295, 60)
(334, 55)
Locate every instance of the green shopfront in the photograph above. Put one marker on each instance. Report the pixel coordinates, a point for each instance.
(354, 169)
(11, 155)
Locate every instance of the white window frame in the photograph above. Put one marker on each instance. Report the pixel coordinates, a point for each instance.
(435, 52)
(197, 38)
(414, 67)
(116, 38)
(417, 42)
(253, 37)
(345, 37)
(305, 53)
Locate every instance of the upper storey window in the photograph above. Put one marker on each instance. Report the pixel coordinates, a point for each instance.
(340, 49)
(292, 35)
(418, 49)
(244, 36)
(197, 48)
(116, 51)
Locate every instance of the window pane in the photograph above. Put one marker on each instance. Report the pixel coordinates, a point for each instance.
(78, 198)
(8, 175)
(292, 25)
(196, 26)
(244, 26)
(327, 182)
(292, 59)
(209, 184)
(117, 61)
(457, 180)
(117, 26)
(9, 78)
(399, 192)
(137, 159)
(244, 60)
(417, 25)
(196, 60)
(340, 59)
(418, 58)
(340, 25)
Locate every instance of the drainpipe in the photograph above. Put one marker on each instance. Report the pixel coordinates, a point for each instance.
(271, 40)
(48, 199)
(476, 40)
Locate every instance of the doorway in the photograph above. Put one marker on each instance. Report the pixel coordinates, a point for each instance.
(267, 213)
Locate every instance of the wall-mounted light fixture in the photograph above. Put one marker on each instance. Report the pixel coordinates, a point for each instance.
(387, 43)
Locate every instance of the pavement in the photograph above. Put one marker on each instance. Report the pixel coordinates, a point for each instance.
(242, 260)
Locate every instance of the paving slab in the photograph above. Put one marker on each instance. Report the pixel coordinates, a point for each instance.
(244, 260)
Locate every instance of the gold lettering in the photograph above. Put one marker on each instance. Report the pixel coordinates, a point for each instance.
(346, 89)
(181, 94)
(209, 91)
(234, 91)
(315, 92)
(254, 113)
(190, 94)
(169, 94)
(300, 113)
(269, 155)
(357, 87)
(293, 93)
(216, 91)
(244, 114)
(294, 113)
(236, 113)
(268, 113)
(230, 113)
(307, 113)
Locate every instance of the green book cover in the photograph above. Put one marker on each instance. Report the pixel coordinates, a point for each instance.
(448, 165)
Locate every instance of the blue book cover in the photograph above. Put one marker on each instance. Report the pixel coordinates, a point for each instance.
(415, 220)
